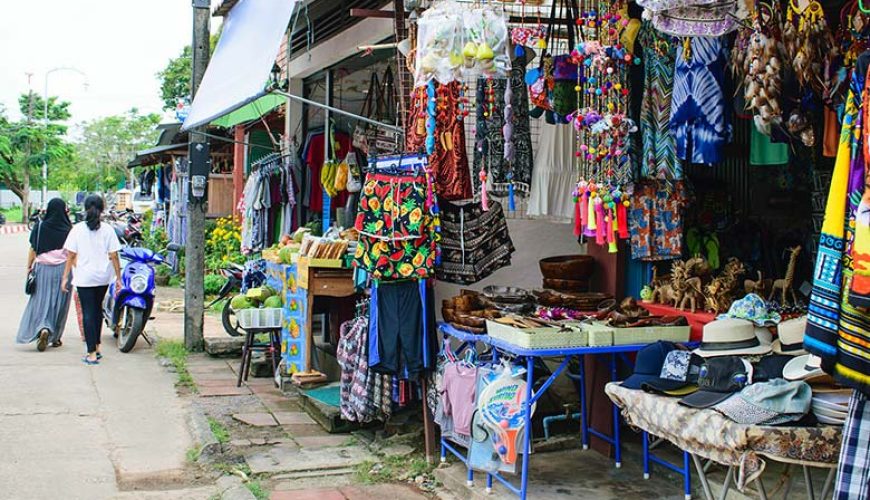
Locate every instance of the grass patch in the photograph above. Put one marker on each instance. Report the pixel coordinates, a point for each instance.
(234, 468)
(193, 454)
(175, 352)
(12, 214)
(219, 430)
(256, 489)
(392, 469)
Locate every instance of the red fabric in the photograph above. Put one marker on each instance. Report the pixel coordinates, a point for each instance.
(696, 319)
(315, 159)
(622, 220)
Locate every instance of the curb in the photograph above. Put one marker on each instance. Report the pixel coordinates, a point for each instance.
(13, 228)
(202, 435)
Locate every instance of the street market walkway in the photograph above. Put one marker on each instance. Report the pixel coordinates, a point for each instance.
(72, 431)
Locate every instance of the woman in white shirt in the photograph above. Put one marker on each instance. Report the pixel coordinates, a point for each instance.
(44, 318)
(92, 256)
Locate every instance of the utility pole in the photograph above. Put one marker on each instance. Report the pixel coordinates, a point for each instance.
(198, 168)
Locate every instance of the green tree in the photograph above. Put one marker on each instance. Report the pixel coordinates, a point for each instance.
(175, 77)
(107, 144)
(26, 143)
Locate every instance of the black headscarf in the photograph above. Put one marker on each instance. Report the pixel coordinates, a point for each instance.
(52, 231)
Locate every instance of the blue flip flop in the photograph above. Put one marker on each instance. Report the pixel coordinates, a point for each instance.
(86, 361)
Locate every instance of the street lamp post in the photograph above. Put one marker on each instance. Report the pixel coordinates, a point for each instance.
(45, 123)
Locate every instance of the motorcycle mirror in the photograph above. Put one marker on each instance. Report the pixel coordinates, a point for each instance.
(173, 247)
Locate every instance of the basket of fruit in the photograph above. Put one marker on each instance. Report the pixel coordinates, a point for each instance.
(258, 308)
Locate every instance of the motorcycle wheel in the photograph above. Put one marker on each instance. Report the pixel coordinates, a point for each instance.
(132, 325)
(231, 324)
(135, 243)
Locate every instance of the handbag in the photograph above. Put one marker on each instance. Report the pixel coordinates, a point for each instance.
(30, 282)
(354, 177)
(363, 133)
(386, 141)
(559, 68)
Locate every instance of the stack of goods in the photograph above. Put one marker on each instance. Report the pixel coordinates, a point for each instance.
(586, 301)
(259, 307)
(315, 247)
(287, 248)
(740, 373)
(567, 273)
(468, 312)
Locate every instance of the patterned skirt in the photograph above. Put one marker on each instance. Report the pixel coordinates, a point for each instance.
(474, 242)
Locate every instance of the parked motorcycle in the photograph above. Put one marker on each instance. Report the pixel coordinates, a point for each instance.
(233, 274)
(126, 311)
(127, 226)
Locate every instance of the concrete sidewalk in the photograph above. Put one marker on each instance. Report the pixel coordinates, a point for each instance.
(73, 431)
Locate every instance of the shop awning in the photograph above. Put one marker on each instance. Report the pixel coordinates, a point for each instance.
(239, 68)
(250, 111)
(154, 155)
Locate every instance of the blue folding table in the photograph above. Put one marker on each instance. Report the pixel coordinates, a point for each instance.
(468, 339)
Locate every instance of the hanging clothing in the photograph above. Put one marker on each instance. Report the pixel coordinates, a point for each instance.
(853, 470)
(656, 220)
(474, 242)
(555, 174)
(489, 150)
(659, 159)
(268, 203)
(459, 383)
(364, 395)
(698, 118)
(763, 151)
(449, 162)
(146, 182)
(837, 331)
(401, 328)
(314, 159)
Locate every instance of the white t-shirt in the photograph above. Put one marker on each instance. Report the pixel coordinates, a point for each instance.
(92, 248)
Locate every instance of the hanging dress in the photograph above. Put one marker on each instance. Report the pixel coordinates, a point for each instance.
(659, 159)
(555, 175)
(698, 118)
(449, 162)
(490, 138)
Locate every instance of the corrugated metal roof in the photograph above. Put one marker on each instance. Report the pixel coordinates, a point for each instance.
(224, 8)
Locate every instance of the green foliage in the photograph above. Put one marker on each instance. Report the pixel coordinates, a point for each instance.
(176, 280)
(27, 143)
(257, 490)
(153, 238)
(393, 468)
(213, 283)
(163, 270)
(219, 430)
(109, 143)
(175, 77)
(12, 214)
(175, 352)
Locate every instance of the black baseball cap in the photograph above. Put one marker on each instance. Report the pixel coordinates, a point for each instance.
(718, 380)
(678, 376)
(770, 367)
(648, 364)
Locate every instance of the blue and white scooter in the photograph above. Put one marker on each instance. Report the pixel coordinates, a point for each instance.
(127, 310)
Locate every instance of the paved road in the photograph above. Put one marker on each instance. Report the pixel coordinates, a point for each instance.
(72, 431)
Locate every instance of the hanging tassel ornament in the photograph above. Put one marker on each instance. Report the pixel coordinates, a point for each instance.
(484, 199)
(430, 121)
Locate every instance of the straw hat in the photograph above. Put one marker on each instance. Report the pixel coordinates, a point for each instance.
(730, 337)
(791, 337)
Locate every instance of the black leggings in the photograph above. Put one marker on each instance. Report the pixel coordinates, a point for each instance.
(91, 298)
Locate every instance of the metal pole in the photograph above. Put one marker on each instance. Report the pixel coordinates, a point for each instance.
(385, 126)
(194, 305)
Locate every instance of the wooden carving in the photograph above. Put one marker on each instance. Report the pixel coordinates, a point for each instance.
(784, 285)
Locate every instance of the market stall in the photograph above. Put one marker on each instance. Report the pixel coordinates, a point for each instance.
(697, 218)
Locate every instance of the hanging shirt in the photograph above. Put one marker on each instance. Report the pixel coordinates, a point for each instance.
(698, 103)
(314, 158)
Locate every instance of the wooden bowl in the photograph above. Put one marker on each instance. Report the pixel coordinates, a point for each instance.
(566, 285)
(568, 267)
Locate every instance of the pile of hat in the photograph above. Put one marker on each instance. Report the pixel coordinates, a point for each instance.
(741, 372)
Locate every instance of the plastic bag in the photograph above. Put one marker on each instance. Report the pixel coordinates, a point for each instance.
(438, 50)
(486, 40)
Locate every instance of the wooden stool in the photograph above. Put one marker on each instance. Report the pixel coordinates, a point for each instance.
(273, 348)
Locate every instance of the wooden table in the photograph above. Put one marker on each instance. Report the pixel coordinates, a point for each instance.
(323, 282)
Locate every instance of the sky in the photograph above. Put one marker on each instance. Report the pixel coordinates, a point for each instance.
(119, 44)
